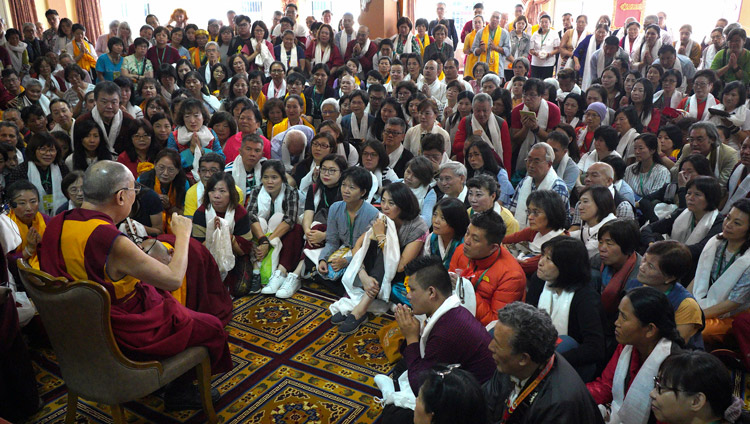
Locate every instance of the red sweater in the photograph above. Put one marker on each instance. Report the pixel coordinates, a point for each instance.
(462, 133)
(502, 281)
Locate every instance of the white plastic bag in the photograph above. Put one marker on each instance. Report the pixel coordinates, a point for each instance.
(220, 245)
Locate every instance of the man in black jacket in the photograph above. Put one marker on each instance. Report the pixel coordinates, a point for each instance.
(532, 383)
(452, 34)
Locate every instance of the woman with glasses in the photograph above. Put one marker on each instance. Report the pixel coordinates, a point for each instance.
(192, 137)
(668, 96)
(89, 146)
(697, 106)
(374, 158)
(45, 169)
(140, 148)
(320, 197)
(695, 387)
(646, 335)
(259, 51)
(547, 219)
(428, 113)
(221, 207)
(170, 183)
(305, 173)
(72, 186)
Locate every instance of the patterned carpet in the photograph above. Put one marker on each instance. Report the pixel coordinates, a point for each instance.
(290, 366)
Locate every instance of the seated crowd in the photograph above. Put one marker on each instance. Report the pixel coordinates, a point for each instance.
(508, 217)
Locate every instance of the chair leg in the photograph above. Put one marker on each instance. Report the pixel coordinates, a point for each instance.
(118, 414)
(70, 415)
(203, 371)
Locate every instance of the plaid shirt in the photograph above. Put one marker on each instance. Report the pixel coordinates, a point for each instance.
(558, 187)
(290, 205)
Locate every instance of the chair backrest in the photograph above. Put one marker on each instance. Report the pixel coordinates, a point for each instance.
(76, 316)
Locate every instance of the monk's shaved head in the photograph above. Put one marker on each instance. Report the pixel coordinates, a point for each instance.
(103, 179)
(157, 250)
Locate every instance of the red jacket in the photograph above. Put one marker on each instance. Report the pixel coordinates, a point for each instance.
(365, 59)
(462, 133)
(601, 388)
(334, 60)
(502, 281)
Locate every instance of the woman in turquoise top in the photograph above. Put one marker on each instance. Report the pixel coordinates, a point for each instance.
(449, 224)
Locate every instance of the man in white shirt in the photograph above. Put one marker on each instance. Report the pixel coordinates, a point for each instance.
(300, 30)
(450, 69)
(432, 86)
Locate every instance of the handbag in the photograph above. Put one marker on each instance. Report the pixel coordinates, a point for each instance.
(390, 338)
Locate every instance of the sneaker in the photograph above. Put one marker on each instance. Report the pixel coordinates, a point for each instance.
(338, 318)
(276, 280)
(351, 324)
(255, 284)
(290, 286)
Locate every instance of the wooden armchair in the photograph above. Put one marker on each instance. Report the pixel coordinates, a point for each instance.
(76, 316)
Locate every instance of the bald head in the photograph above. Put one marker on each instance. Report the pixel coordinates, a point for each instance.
(103, 179)
(157, 250)
(295, 141)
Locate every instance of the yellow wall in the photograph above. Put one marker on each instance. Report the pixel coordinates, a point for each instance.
(745, 14)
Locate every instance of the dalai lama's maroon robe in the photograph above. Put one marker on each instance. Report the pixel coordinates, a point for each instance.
(205, 291)
(148, 323)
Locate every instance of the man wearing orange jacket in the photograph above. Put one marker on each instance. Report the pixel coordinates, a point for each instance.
(496, 275)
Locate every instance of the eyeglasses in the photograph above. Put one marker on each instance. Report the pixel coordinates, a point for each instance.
(696, 139)
(320, 145)
(392, 133)
(141, 137)
(46, 150)
(534, 212)
(328, 171)
(369, 154)
(209, 171)
(659, 388)
(136, 187)
(160, 169)
(448, 370)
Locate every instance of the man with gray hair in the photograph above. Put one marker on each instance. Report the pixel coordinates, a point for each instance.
(289, 146)
(533, 383)
(452, 182)
(213, 56)
(345, 36)
(602, 174)
(703, 138)
(490, 127)
(95, 250)
(540, 175)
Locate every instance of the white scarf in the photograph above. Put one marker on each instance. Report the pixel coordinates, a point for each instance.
(363, 52)
(322, 56)
(587, 71)
(58, 198)
(264, 57)
(737, 117)
(673, 102)
(305, 183)
(53, 85)
(688, 48)
(344, 40)
(692, 107)
(16, 55)
(681, 227)
(629, 47)
(635, 407)
(407, 45)
(359, 131)
(272, 90)
(199, 190)
(391, 255)
(542, 117)
(654, 52)
(240, 175)
(265, 201)
(395, 155)
(204, 135)
(737, 190)
(450, 303)
(420, 192)
(625, 146)
(563, 165)
(708, 57)
(557, 306)
(720, 289)
(494, 137)
(226, 222)
(523, 193)
(114, 129)
(535, 246)
(293, 61)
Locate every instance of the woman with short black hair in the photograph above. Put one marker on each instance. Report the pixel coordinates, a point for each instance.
(449, 224)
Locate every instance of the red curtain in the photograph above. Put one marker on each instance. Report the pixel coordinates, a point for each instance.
(90, 16)
(22, 11)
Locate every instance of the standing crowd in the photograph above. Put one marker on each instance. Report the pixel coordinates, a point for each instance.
(561, 231)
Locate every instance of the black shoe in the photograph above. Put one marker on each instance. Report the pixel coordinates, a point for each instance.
(338, 318)
(255, 284)
(351, 324)
(179, 398)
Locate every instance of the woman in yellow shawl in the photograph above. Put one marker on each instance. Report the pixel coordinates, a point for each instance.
(198, 53)
(471, 58)
(83, 52)
(423, 38)
(24, 203)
